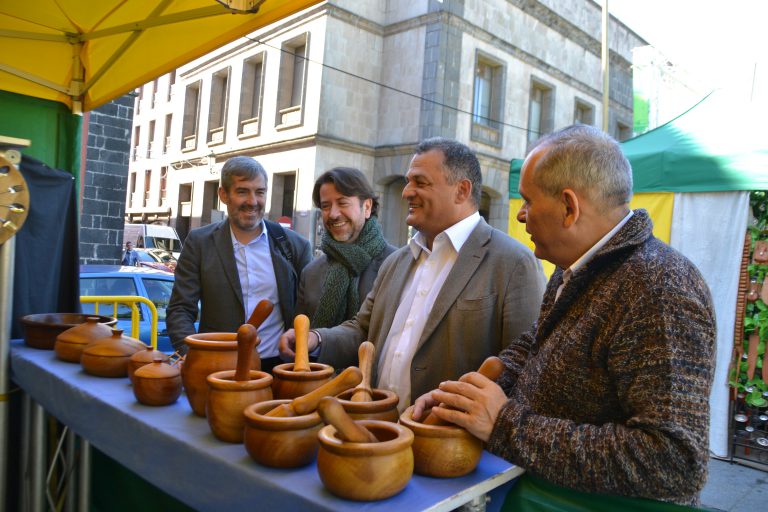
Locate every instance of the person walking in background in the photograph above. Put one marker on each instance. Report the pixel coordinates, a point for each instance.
(333, 285)
(130, 258)
(230, 266)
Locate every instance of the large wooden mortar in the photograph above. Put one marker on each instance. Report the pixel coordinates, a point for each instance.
(300, 377)
(444, 451)
(382, 406)
(208, 353)
(280, 442)
(366, 471)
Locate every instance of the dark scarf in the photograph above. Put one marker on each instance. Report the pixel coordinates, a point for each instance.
(340, 300)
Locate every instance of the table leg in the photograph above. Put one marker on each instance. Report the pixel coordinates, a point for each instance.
(33, 456)
(84, 487)
(476, 504)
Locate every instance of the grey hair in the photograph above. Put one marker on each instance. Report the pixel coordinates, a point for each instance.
(243, 167)
(585, 159)
(459, 161)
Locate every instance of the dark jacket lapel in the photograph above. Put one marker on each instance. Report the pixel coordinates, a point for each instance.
(222, 240)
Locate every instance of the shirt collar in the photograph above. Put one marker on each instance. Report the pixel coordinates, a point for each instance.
(457, 234)
(599, 245)
(236, 244)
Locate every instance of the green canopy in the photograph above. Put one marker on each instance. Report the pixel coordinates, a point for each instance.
(719, 144)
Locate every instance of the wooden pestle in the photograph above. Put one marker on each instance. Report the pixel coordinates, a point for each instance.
(260, 313)
(347, 429)
(491, 369)
(305, 404)
(301, 328)
(365, 355)
(247, 339)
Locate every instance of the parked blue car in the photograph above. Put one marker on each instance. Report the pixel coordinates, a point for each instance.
(156, 285)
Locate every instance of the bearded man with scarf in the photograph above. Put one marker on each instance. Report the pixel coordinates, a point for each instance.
(334, 284)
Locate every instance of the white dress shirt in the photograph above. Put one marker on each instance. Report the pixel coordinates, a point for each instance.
(590, 253)
(421, 289)
(257, 282)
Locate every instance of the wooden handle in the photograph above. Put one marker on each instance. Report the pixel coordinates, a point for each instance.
(301, 328)
(246, 340)
(282, 411)
(363, 390)
(490, 369)
(347, 429)
(347, 379)
(260, 313)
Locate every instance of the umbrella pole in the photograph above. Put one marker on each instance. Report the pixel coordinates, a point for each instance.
(7, 253)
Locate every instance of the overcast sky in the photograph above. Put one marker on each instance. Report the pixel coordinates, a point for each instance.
(719, 41)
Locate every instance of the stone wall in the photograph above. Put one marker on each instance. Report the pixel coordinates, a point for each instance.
(104, 181)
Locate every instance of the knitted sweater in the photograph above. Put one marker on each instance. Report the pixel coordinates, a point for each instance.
(609, 392)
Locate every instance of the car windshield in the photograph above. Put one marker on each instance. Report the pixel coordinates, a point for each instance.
(159, 292)
(108, 286)
(144, 256)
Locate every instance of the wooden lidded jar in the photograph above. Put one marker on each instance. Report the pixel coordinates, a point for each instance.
(70, 344)
(228, 398)
(208, 353)
(157, 383)
(144, 357)
(366, 471)
(443, 451)
(108, 357)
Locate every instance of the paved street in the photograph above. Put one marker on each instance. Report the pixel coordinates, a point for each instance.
(735, 488)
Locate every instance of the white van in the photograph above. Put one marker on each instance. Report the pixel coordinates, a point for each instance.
(153, 236)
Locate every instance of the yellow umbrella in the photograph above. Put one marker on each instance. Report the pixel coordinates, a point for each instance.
(85, 53)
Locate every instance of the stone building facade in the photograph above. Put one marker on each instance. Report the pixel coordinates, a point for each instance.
(360, 83)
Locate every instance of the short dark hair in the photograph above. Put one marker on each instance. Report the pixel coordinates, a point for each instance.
(349, 182)
(459, 161)
(244, 167)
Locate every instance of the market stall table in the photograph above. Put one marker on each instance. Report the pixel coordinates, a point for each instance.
(175, 450)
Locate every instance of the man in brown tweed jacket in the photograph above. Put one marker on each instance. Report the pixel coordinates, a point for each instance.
(608, 392)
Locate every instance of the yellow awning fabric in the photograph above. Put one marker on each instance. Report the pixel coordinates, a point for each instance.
(85, 53)
(658, 204)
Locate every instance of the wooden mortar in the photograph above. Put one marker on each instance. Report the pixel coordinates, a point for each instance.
(366, 471)
(231, 391)
(382, 406)
(305, 404)
(209, 353)
(280, 442)
(300, 377)
(443, 451)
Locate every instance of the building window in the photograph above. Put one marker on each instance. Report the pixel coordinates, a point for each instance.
(583, 113)
(541, 110)
(136, 139)
(623, 131)
(147, 179)
(250, 95)
(171, 81)
(487, 101)
(167, 134)
(155, 94)
(217, 115)
(191, 117)
(293, 74)
(131, 187)
(163, 184)
(283, 195)
(151, 142)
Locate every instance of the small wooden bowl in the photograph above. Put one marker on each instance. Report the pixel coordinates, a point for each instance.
(157, 383)
(145, 357)
(70, 344)
(383, 406)
(41, 330)
(366, 471)
(443, 451)
(280, 442)
(227, 398)
(291, 384)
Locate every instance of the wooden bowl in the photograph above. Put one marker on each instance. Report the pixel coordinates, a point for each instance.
(157, 383)
(280, 442)
(383, 406)
(366, 471)
(145, 357)
(70, 344)
(41, 330)
(227, 398)
(208, 353)
(108, 357)
(443, 451)
(291, 384)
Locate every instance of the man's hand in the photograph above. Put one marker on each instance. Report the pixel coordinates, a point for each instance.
(287, 344)
(474, 402)
(424, 403)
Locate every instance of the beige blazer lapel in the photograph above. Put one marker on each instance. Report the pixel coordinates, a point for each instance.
(470, 256)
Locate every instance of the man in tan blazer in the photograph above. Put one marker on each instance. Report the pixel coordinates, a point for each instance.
(459, 292)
